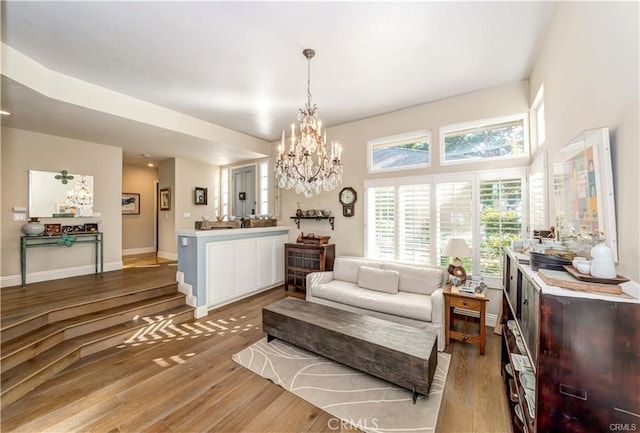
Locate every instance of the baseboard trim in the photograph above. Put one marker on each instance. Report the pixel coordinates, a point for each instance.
(491, 319)
(186, 289)
(167, 255)
(57, 274)
(133, 251)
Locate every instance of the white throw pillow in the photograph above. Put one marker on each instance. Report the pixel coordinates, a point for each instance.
(346, 268)
(378, 279)
(417, 279)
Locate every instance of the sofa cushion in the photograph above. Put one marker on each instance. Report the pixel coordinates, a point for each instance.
(346, 268)
(378, 279)
(416, 279)
(402, 304)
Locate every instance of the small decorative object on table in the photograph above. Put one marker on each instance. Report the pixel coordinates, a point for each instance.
(91, 228)
(312, 239)
(33, 228)
(53, 229)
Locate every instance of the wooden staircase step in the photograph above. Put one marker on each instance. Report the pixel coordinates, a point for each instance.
(30, 322)
(27, 375)
(29, 345)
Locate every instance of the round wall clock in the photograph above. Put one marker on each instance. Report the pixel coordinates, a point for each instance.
(348, 197)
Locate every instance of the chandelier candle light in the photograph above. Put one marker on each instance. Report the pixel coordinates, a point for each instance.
(306, 166)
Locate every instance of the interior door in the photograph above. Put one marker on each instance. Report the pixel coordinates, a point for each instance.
(244, 186)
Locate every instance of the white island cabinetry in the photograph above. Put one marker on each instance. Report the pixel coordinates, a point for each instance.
(221, 266)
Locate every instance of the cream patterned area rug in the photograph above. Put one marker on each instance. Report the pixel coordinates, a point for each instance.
(364, 401)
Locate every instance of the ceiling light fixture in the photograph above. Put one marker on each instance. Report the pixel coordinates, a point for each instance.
(150, 164)
(306, 166)
(4, 113)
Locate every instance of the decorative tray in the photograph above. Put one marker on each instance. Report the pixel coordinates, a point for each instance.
(590, 279)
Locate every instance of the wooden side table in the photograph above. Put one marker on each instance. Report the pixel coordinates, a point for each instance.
(454, 299)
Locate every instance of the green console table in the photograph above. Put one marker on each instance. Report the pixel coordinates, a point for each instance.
(58, 241)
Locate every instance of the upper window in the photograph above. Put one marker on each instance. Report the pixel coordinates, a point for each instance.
(538, 132)
(489, 139)
(400, 152)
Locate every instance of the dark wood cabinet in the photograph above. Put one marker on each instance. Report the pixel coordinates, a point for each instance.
(584, 349)
(302, 259)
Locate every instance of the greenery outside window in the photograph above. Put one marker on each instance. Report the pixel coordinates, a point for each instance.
(484, 140)
(399, 152)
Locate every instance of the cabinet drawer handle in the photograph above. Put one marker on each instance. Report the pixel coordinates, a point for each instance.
(464, 302)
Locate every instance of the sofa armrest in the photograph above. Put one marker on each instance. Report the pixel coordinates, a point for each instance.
(317, 278)
(437, 307)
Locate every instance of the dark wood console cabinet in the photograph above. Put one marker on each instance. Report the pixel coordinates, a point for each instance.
(302, 259)
(585, 350)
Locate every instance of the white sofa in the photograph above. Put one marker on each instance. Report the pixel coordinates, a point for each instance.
(408, 294)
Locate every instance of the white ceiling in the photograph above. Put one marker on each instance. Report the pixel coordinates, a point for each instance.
(240, 64)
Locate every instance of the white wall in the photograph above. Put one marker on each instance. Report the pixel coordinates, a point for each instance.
(23, 151)
(167, 240)
(138, 231)
(189, 175)
(588, 64)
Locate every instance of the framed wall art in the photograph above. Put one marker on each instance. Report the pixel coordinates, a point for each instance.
(200, 196)
(583, 190)
(130, 203)
(165, 199)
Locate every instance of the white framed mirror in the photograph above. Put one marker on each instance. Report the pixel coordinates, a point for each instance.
(60, 194)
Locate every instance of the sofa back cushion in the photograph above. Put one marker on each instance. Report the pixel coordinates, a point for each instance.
(423, 280)
(380, 280)
(346, 268)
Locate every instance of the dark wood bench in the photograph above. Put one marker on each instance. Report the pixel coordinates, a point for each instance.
(397, 353)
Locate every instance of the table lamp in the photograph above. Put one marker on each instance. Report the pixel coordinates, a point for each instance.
(457, 248)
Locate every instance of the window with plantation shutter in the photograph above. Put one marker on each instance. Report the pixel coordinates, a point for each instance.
(501, 205)
(381, 208)
(537, 194)
(412, 219)
(413, 223)
(454, 217)
(397, 220)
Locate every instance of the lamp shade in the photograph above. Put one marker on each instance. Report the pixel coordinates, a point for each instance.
(456, 248)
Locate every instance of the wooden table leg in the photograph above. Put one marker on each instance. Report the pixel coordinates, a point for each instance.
(483, 330)
(447, 320)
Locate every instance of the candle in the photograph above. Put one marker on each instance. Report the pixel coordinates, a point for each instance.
(319, 126)
(293, 135)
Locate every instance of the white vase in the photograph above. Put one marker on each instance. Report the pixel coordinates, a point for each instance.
(602, 265)
(33, 228)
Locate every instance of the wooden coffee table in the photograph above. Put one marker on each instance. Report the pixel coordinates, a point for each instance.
(397, 353)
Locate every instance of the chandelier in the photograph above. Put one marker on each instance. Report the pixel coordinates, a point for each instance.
(307, 166)
(80, 194)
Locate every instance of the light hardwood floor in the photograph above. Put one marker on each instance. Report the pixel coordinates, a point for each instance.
(183, 379)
